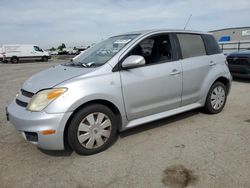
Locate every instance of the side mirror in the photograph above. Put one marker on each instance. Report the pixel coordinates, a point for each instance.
(133, 61)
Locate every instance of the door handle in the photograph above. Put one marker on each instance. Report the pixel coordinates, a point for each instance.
(212, 63)
(175, 72)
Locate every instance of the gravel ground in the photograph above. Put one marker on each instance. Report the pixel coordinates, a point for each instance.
(211, 150)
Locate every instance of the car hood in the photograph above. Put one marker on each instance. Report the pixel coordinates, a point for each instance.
(53, 76)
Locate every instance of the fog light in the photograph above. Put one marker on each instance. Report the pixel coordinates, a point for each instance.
(31, 136)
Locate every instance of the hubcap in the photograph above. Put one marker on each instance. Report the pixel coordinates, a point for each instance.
(94, 130)
(218, 97)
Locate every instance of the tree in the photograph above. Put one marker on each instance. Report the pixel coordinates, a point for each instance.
(61, 47)
(52, 49)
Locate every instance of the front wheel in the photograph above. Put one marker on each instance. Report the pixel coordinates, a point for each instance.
(92, 130)
(216, 98)
(45, 58)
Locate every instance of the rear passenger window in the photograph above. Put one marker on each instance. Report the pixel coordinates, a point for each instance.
(191, 45)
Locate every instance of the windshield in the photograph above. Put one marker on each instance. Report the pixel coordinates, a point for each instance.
(103, 51)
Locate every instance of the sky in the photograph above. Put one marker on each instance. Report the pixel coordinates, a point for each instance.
(49, 23)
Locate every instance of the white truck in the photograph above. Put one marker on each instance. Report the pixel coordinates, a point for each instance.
(16, 52)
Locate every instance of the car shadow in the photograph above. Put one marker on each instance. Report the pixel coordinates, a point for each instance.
(145, 127)
(57, 153)
(159, 123)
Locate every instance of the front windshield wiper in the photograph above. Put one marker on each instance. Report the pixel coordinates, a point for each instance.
(85, 65)
(91, 64)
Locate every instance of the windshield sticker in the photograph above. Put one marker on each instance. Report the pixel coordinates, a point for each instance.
(124, 41)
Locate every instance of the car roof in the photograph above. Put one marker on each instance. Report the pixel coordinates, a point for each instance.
(144, 32)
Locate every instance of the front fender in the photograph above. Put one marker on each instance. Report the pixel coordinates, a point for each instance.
(82, 90)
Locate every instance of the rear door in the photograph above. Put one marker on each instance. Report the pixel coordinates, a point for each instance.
(195, 64)
(26, 52)
(155, 87)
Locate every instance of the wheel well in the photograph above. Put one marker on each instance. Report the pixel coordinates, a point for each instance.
(225, 81)
(14, 57)
(103, 102)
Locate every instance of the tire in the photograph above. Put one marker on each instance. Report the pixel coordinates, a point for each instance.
(216, 98)
(45, 58)
(86, 135)
(14, 60)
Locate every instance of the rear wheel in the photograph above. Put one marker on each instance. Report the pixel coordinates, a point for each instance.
(14, 60)
(92, 130)
(216, 98)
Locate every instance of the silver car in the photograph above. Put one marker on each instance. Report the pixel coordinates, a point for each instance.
(122, 82)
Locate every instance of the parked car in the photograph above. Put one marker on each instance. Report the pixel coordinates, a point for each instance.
(16, 52)
(87, 101)
(54, 52)
(63, 52)
(239, 63)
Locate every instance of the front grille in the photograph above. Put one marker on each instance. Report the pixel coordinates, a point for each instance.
(238, 61)
(27, 93)
(21, 103)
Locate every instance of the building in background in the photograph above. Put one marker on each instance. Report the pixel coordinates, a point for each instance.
(233, 39)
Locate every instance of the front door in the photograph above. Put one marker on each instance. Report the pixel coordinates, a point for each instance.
(155, 87)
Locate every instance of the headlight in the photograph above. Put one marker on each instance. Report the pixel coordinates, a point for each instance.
(40, 100)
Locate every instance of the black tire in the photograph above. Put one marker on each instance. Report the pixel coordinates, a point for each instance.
(45, 58)
(79, 117)
(208, 105)
(14, 60)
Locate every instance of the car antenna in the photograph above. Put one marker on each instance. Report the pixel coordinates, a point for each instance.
(187, 21)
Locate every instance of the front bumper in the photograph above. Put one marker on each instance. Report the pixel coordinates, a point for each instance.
(240, 71)
(36, 122)
(240, 75)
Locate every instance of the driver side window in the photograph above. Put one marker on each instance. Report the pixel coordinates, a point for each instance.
(154, 49)
(36, 48)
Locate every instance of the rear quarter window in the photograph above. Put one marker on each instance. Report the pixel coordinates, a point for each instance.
(191, 45)
(211, 44)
